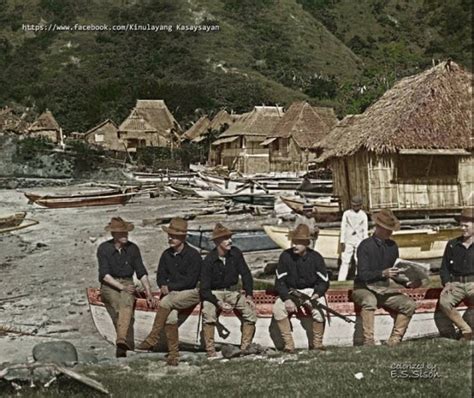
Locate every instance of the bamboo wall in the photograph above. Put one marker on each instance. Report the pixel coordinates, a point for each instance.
(291, 158)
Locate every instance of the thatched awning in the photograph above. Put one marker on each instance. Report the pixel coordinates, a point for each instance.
(434, 152)
(224, 140)
(268, 141)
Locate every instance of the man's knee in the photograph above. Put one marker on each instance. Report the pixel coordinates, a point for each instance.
(365, 300)
(209, 312)
(279, 310)
(408, 307)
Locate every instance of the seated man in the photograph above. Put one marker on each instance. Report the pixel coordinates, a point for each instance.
(118, 260)
(303, 269)
(177, 277)
(219, 289)
(457, 273)
(373, 286)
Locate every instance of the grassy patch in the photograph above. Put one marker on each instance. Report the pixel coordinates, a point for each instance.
(444, 366)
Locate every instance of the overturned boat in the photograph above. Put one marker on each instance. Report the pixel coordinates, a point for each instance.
(426, 322)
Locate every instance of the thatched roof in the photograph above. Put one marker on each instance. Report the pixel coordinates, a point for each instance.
(197, 129)
(45, 121)
(223, 118)
(327, 114)
(11, 122)
(136, 122)
(157, 114)
(431, 110)
(303, 124)
(259, 122)
(100, 125)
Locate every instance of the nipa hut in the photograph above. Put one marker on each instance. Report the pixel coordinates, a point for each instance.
(150, 124)
(46, 126)
(11, 123)
(106, 136)
(197, 130)
(239, 147)
(301, 127)
(411, 151)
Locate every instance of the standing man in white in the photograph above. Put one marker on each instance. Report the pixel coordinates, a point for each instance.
(354, 229)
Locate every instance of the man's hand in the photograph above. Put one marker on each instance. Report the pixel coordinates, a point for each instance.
(226, 307)
(164, 290)
(343, 246)
(414, 284)
(250, 302)
(448, 288)
(151, 301)
(390, 272)
(290, 306)
(129, 289)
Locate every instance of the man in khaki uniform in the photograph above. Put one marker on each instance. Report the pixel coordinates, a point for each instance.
(373, 286)
(457, 273)
(118, 260)
(303, 269)
(177, 277)
(219, 290)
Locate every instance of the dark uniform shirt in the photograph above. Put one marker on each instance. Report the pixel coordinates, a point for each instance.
(120, 264)
(179, 271)
(217, 275)
(373, 256)
(301, 272)
(458, 260)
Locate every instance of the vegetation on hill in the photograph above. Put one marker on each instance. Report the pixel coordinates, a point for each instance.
(339, 53)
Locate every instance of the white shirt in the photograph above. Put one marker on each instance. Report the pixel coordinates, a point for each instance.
(354, 226)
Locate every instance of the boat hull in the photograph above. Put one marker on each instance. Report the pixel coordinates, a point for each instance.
(12, 220)
(425, 322)
(106, 200)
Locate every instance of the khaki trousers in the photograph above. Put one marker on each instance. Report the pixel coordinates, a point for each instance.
(235, 299)
(280, 312)
(116, 301)
(179, 300)
(451, 297)
(370, 301)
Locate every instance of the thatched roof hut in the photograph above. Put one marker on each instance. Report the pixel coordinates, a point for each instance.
(198, 129)
(10, 122)
(223, 120)
(410, 150)
(46, 126)
(105, 135)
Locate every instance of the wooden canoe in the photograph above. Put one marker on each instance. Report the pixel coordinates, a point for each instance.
(246, 240)
(426, 322)
(85, 201)
(33, 197)
(414, 244)
(12, 220)
(260, 200)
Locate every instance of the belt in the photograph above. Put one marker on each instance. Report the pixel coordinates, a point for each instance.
(462, 278)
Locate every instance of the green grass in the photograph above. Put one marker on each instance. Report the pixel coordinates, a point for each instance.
(329, 374)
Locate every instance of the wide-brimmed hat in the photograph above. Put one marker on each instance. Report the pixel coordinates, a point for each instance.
(301, 232)
(357, 200)
(220, 231)
(386, 219)
(178, 226)
(467, 214)
(118, 224)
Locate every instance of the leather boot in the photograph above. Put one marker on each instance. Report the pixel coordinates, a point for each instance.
(458, 320)
(172, 338)
(124, 318)
(318, 334)
(368, 326)
(208, 331)
(285, 330)
(399, 328)
(466, 337)
(248, 330)
(153, 337)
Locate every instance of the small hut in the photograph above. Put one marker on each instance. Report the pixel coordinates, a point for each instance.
(301, 127)
(411, 151)
(46, 126)
(197, 130)
(106, 136)
(239, 147)
(151, 124)
(11, 123)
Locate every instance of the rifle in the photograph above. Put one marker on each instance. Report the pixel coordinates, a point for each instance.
(300, 298)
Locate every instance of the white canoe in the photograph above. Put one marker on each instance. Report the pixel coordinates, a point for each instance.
(425, 323)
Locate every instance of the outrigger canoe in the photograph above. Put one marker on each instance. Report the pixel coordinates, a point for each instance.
(426, 322)
(11, 220)
(414, 244)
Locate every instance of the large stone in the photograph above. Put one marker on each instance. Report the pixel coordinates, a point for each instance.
(61, 352)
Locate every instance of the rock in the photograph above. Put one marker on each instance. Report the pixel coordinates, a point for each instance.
(230, 351)
(61, 352)
(40, 244)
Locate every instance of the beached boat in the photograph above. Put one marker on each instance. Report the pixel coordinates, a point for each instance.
(261, 200)
(246, 240)
(165, 176)
(33, 197)
(11, 220)
(426, 322)
(84, 201)
(414, 244)
(25, 223)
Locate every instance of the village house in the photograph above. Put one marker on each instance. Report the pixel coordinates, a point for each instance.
(106, 136)
(411, 151)
(197, 130)
(300, 128)
(150, 124)
(47, 126)
(11, 123)
(239, 147)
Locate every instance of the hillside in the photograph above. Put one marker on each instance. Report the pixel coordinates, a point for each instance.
(330, 52)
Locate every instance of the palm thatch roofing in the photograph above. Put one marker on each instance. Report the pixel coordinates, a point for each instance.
(9, 121)
(197, 129)
(100, 125)
(303, 123)
(45, 121)
(327, 114)
(157, 114)
(259, 122)
(428, 111)
(136, 122)
(223, 118)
